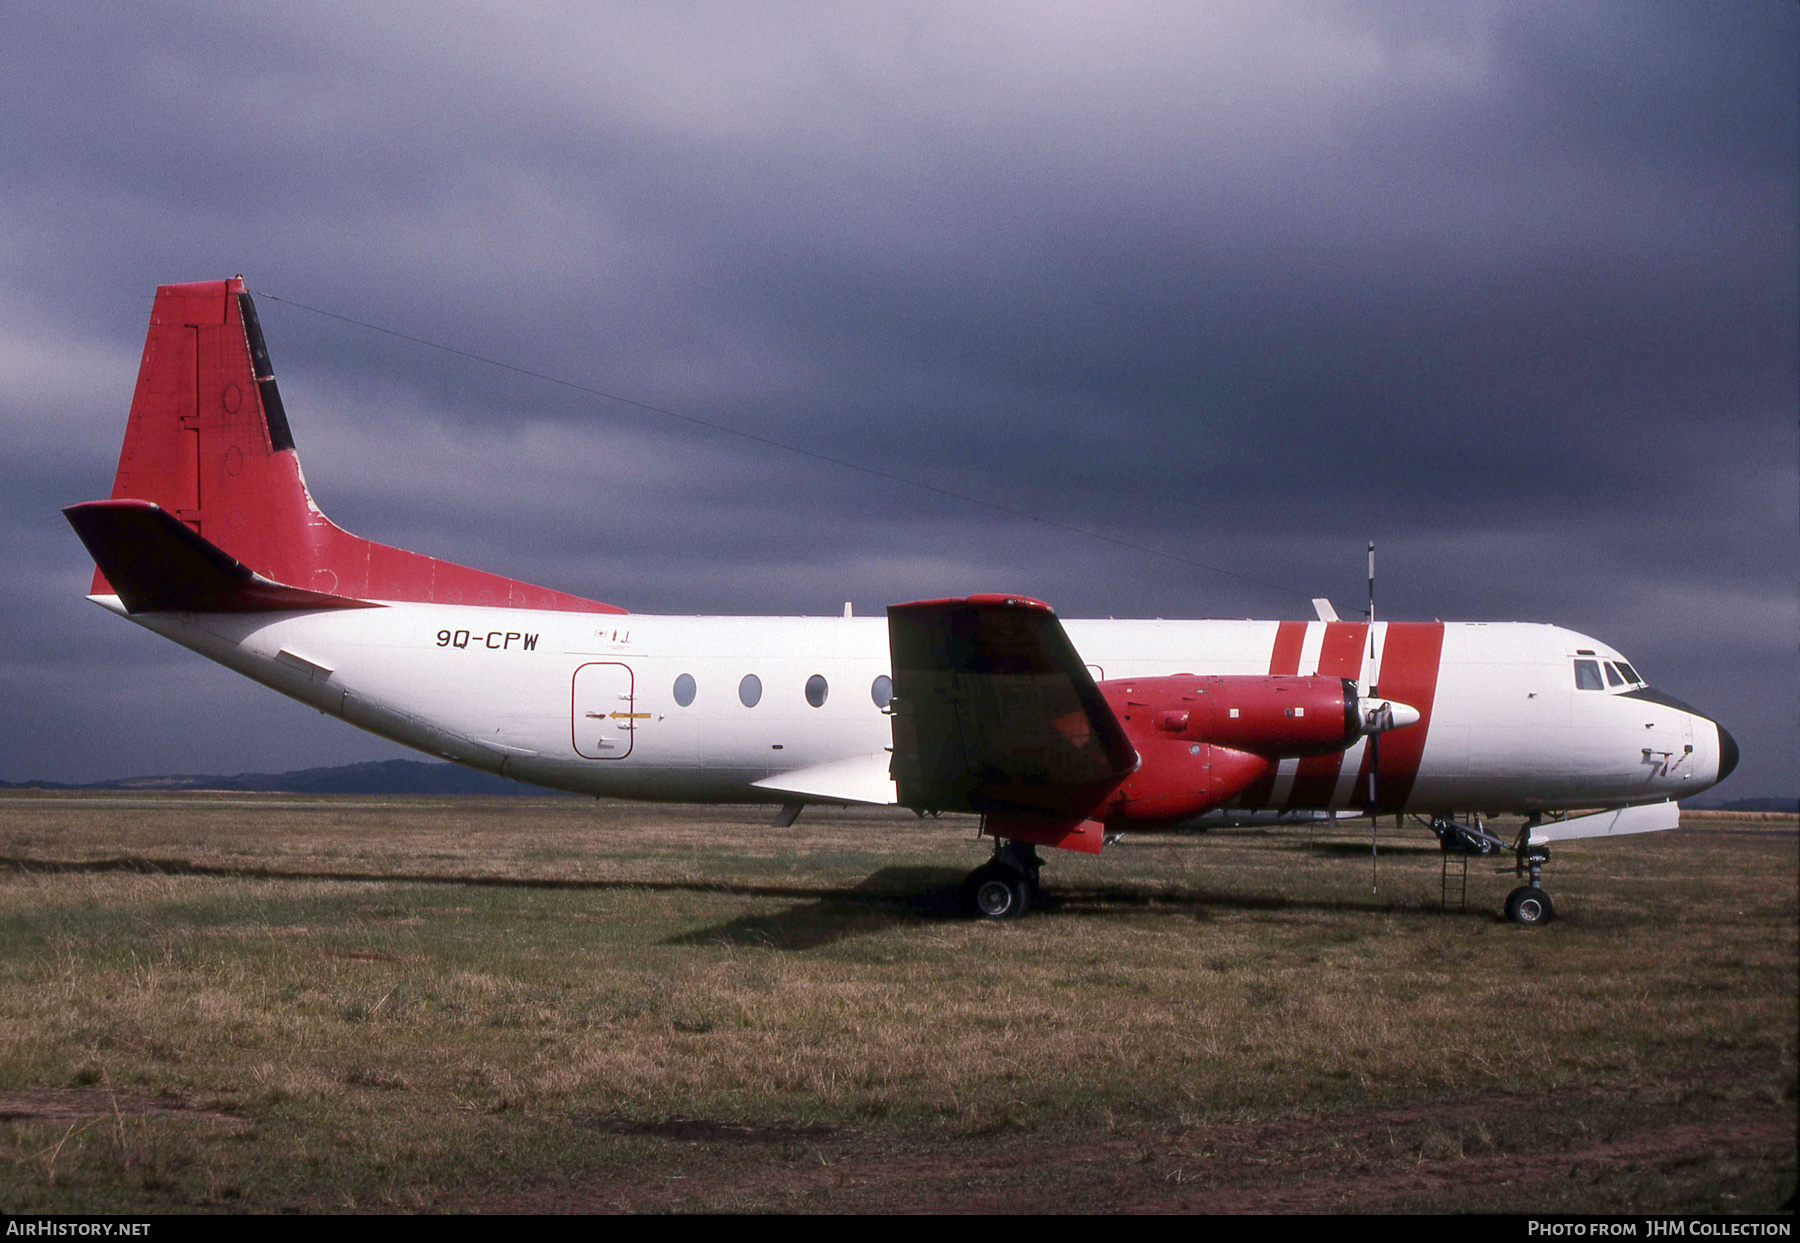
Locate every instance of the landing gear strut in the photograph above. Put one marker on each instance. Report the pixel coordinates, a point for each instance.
(1529, 904)
(1005, 886)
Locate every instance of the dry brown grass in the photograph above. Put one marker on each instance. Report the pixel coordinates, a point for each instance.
(549, 1003)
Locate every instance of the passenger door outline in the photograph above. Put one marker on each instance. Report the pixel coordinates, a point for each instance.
(602, 710)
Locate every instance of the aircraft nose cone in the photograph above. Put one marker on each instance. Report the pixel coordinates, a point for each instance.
(1728, 751)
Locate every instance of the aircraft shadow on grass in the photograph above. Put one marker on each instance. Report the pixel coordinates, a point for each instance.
(182, 867)
(893, 895)
(1360, 850)
(899, 895)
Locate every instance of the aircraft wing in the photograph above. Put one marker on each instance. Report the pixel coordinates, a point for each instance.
(1614, 822)
(863, 779)
(995, 713)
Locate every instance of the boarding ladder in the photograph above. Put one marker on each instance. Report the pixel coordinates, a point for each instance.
(1455, 882)
(1459, 841)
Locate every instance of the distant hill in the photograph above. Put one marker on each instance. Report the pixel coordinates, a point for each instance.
(375, 777)
(1749, 804)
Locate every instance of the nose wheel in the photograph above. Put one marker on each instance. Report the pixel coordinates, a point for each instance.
(1005, 887)
(1529, 904)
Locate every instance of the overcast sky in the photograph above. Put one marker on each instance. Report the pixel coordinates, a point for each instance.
(1508, 288)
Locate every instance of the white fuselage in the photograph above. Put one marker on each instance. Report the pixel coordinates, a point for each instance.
(589, 702)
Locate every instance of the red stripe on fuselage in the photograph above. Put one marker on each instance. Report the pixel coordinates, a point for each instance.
(1340, 656)
(1410, 658)
(1290, 637)
(1284, 658)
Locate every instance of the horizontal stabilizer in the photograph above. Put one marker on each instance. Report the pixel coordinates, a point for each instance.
(158, 564)
(864, 779)
(995, 713)
(1617, 822)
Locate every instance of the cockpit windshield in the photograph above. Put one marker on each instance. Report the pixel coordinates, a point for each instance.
(1618, 675)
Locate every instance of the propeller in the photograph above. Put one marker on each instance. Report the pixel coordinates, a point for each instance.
(1378, 714)
(1386, 709)
(1381, 715)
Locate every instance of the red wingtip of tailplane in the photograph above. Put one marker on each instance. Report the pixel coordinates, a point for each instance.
(208, 443)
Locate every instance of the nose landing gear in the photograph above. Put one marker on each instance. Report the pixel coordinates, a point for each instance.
(1005, 887)
(1529, 904)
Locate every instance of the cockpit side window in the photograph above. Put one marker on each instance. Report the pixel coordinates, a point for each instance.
(1612, 675)
(1631, 675)
(1587, 676)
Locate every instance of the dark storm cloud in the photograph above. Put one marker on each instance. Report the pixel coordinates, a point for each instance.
(1510, 289)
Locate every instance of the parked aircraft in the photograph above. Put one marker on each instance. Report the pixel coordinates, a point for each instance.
(1059, 734)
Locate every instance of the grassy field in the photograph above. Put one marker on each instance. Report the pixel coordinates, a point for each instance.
(248, 1002)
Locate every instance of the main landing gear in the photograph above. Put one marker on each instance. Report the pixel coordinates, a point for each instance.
(1529, 904)
(1006, 885)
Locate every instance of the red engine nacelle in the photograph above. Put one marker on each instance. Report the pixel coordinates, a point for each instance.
(1204, 740)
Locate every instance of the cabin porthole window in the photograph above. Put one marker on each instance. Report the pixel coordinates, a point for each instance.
(816, 690)
(750, 690)
(684, 689)
(882, 691)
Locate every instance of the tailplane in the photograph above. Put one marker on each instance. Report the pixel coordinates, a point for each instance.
(208, 443)
(158, 564)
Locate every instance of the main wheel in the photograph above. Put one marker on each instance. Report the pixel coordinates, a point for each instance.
(995, 892)
(1529, 905)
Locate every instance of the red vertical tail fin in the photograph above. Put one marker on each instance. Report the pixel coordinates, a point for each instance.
(208, 440)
